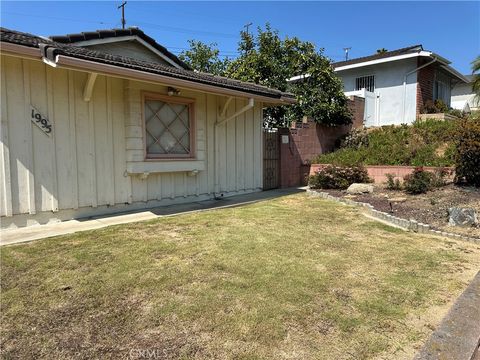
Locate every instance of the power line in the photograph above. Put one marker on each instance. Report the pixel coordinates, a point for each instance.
(184, 30)
(148, 25)
(155, 26)
(58, 18)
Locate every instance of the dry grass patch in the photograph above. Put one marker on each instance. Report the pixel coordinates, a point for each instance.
(291, 278)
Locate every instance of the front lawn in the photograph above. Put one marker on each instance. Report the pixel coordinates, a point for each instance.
(290, 278)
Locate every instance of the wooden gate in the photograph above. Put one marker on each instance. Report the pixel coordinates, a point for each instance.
(271, 159)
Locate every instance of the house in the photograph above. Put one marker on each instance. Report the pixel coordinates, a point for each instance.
(397, 84)
(463, 97)
(107, 121)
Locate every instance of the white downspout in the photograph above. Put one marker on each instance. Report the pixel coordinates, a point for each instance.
(250, 105)
(405, 84)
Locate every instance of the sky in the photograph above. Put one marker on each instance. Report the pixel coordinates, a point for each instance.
(450, 29)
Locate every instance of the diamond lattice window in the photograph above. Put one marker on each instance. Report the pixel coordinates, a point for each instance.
(167, 128)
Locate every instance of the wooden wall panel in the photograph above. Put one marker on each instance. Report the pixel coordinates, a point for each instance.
(102, 135)
(249, 153)
(19, 135)
(257, 146)
(5, 169)
(240, 146)
(65, 153)
(84, 163)
(122, 181)
(211, 118)
(85, 151)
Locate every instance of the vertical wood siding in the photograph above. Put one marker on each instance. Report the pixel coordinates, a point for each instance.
(83, 164)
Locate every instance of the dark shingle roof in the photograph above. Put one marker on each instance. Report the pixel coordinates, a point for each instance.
(403, 51)
(55, 48)
(113, 33)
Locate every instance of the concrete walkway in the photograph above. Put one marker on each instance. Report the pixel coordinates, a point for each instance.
(15, 236)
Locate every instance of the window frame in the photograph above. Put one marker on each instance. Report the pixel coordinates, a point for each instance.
(366, 76)
(190, 103)
(441, 84)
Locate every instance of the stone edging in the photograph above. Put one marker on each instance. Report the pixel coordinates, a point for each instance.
(410, 225)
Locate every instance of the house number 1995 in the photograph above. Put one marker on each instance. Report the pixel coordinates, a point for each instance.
(41, 122)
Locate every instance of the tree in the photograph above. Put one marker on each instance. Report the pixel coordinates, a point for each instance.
(266, 59)
(204, 57)
(476, 78)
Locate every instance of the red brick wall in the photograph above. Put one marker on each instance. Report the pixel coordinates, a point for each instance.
(425, 79)
(307, 140)
(378, 172)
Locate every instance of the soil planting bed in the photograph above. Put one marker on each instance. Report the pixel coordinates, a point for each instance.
(430, 208)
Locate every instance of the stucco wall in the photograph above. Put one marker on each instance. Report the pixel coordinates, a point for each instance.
(389, 87)
(462, 93)
(87, 166)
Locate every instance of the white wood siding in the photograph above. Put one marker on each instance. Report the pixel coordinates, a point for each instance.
(85, 167)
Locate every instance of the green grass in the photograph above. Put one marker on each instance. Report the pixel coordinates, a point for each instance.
(295, 277)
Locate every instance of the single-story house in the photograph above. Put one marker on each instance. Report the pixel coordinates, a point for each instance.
(463, 97)
(108, 121)
(397, 84)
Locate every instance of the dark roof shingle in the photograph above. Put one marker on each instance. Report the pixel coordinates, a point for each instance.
(55, 48)
(387, 54)
(112, 33)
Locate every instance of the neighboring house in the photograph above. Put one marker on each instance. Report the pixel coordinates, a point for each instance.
(397, 84)
(87, 131)
(463, 97)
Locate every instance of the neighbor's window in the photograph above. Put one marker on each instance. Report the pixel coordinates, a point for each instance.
(441, 91)
(168, 127)
(365, 82)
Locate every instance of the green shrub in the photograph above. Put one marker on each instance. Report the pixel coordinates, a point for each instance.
(456, 112)
(467, 157)
(426, 143)
(418, 182)
(355, 139)
(441, 106)
(338, 177)
(392, 183)
(434, 107)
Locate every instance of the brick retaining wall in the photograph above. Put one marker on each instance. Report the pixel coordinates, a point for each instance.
(378, 172)
(304, 140)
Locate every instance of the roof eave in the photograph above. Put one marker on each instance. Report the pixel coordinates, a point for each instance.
(382, 60)
(106, 69)
(455, 73)
(133, 74)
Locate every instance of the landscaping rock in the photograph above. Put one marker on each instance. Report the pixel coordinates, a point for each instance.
(462, 216)
(360, 189)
